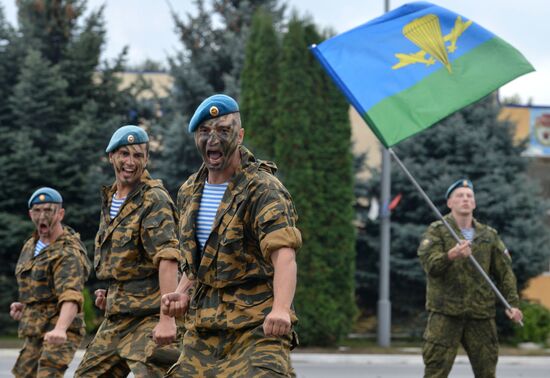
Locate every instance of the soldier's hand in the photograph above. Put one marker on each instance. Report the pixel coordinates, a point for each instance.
(16, 310)
(515, 314)
(55, 336)
(100, 298)
(277, 323)
(460, 251)
(174, 304)
(165, 331)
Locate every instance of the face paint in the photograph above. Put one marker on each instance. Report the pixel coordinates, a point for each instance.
(129, 162)
(45, 217)
(218, 139)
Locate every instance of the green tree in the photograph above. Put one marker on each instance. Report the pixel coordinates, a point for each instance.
(312, 149)
(259, 85)
(56, 119)
(471, 143)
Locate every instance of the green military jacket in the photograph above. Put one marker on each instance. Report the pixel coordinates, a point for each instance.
(455, 287)
(128, 248)
(56, 275)
(234, 273)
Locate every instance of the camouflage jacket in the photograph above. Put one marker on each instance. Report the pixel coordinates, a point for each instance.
(128, 249)
(456, 287)
(234, 273)
(56, 275)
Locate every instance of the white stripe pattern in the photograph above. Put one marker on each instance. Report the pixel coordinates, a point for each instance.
(116, 204)
(39, 247)
(212, 195)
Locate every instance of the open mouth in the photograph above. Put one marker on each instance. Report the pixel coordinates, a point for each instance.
(42, 227)
(128, 172)
(214, 156)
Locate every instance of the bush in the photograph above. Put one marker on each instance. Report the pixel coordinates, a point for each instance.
(90, 316)
(536, 320)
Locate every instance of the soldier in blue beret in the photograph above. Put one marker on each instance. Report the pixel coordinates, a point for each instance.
(45, 195)
(462, 183)
(461, 305)
(51, 272)
(240, 264)
(125, 136)
(137, 256)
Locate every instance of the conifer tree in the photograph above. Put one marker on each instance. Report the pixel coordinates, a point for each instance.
(312, 148)
(57, 116)
(259, 85)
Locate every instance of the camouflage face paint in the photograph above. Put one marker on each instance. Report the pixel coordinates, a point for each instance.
(45, 217)
(218, 139)
(129, 162)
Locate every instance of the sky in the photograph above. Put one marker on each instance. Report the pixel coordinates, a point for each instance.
(146, 26)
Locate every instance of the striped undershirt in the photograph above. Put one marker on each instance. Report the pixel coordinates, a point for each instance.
(116, 204)
(212, 195)
(39, 247)
(468, 233)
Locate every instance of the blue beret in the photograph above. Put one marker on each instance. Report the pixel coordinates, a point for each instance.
(462, 183)
(45, 195)
(127, 135)
(214, 106)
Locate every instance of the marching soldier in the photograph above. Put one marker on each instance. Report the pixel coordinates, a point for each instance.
(136, 253)
(51, 272)
(239, 237)
(460, 303)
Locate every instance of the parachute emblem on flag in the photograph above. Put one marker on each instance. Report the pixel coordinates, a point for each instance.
(425, 32)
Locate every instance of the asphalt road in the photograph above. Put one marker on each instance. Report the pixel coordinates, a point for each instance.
(315, 365)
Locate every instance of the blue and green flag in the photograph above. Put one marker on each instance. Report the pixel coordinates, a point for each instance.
(413, 66)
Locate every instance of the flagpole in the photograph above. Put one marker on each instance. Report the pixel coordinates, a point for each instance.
(384, 303)
(451, 230)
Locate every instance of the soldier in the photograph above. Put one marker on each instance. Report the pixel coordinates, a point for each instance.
(460, 303)
(136, 252)
(51, 272)
(239, 237)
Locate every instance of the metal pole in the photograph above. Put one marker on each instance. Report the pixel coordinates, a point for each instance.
(453, 233)
(384, 304)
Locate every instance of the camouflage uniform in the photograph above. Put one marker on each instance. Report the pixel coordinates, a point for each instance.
(234, 275)
(461, 304)
(128, 251)
(54, 276)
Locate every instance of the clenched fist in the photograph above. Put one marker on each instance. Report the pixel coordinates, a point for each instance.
(277, 323)
(174, 304)
(16, 310)
(100, 298)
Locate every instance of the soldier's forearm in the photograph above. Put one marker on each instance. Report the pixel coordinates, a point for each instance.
(284, 280)
(68, 311)
(168, 278)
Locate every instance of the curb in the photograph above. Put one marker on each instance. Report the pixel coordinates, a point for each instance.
(366, 359)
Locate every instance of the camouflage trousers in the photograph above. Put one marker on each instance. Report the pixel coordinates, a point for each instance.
(244, 353)
(123, 344)
(442, 337)
(39, 359)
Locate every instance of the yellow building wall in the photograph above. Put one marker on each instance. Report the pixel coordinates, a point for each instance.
(538, 290)
(160, 83)
(519, 116)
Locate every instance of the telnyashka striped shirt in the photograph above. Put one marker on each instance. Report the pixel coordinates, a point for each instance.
(212, 195)
(39, 247)
(468, 233)
(116, 204)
